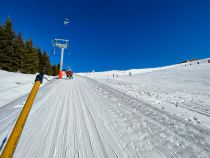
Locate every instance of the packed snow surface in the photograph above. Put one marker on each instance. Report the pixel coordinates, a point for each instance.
(158, 113)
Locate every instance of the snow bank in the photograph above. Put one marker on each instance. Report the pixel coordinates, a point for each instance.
(14, 85)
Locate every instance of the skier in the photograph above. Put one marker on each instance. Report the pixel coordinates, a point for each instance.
(69, 74)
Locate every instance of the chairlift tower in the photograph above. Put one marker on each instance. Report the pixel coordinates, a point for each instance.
(62, 44)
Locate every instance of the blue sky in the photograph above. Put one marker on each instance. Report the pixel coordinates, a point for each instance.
(115, 34)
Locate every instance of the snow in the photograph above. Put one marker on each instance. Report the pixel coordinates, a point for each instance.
(180, 90)
(118, 73)
(14, 85)
(160, 112)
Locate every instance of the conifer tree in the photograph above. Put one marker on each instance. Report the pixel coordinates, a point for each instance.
(58, 67)
(3, 53)
(55, 70)
(19, 53)
(28, 61)
(41, 62)
(7, 45)
(10, 40)
(35, 61)
(47, 66)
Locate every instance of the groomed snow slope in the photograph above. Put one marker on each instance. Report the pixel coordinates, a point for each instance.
(118, 73)
(181, 90)
(128, 116)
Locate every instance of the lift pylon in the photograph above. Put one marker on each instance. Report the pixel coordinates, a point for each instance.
(63, 44)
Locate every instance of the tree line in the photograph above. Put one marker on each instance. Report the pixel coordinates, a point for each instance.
(19, 55)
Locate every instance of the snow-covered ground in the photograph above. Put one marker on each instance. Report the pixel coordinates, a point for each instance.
(14, 85)
(161, 112)
(118, 73)
(182, 90)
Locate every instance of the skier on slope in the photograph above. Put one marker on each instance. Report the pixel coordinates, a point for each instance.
(69, 74)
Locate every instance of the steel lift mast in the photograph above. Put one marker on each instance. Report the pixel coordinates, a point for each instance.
(62, 44)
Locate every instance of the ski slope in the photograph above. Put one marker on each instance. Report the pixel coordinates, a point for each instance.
(127, 116)
(180, 90)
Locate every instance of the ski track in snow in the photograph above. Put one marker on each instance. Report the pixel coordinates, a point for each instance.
(63, 123)
(150, 132)
(194, 102)
(86, 118)
(182, 90)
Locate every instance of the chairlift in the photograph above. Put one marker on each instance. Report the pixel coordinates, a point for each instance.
(66, 21)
